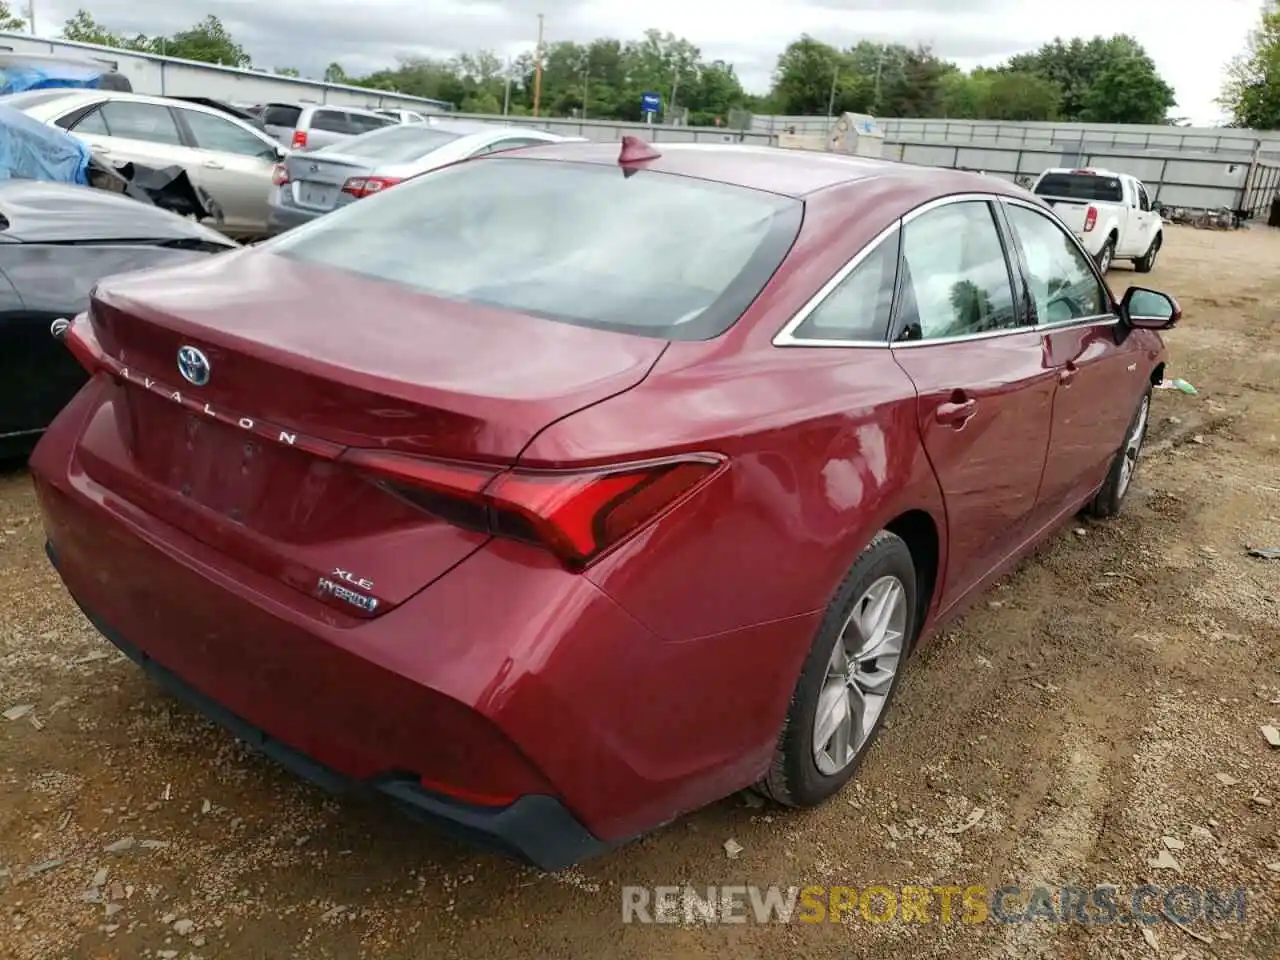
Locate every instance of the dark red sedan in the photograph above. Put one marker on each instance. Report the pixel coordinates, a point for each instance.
(556, 493)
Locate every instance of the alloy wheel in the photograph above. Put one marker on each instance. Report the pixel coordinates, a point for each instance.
(864, 663)
(1133, 446)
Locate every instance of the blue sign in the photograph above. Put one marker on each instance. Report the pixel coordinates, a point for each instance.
(650, 102)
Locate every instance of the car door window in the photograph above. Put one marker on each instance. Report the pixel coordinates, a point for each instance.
(1061, 281)
(1144, 201)
(330, 121)
(216, 133)
(140, 121)
(858, 308)
(956, 279)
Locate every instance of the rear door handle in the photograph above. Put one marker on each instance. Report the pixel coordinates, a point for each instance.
(955, 414)
(214, 165)
(1068, 374)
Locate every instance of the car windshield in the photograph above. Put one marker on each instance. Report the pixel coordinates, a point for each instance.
(646, 253)
(1081, 186)
(33, 98)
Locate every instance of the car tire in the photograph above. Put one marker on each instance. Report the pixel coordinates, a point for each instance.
(1111, 495)
(1106, 256)
(883, 573)
(1147, 261)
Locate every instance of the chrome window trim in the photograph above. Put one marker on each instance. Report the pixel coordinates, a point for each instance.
(1102, 320)
(786, 336)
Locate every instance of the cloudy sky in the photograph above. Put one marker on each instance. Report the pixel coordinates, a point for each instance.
(1189, 40)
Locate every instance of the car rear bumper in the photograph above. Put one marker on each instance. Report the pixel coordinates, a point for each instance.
(510, 687)
(281, 218)
(535, 828)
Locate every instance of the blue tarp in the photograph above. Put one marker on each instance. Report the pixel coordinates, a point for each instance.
(28, 76)
(33, 151)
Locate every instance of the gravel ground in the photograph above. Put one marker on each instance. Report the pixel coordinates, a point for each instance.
(1104, 705)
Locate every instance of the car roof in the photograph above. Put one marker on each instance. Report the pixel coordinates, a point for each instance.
(1085, 171)
(792, 173)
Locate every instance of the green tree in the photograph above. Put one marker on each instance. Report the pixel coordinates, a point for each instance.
(207, 41)
(84, 29)
(1007, 95)
(1128, 91)
(1252, 91)
(806, 72)
(334, 73)
(286, 72)
(1078, 65)
(8, 21)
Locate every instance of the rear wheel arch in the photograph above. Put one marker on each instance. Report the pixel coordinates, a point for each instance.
(919, 531)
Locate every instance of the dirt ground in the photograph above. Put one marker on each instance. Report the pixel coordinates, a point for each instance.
(1107, 695)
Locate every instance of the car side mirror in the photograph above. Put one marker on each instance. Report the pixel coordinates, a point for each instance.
(1149, 309)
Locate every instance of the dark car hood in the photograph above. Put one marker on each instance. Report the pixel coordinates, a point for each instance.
(39, 212)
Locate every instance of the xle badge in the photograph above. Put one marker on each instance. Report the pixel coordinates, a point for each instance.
(334, 589)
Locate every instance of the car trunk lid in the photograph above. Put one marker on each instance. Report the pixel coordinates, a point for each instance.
(316, 179)
(303, 364)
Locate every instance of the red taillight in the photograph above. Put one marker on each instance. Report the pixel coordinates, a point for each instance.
(299, 139)
(364, 186)
(279, 175)
(1090, 219)
(578, 515)
(83, 343)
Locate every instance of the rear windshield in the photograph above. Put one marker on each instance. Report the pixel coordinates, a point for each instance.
(280, 115)
(1081, 186)
(398, 144)
(650, 253)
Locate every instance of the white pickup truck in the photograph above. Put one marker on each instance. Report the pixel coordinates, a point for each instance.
(1109, 212)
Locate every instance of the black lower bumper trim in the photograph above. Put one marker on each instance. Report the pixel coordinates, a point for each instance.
(535, 829)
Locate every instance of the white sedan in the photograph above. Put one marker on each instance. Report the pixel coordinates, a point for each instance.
(310, 183)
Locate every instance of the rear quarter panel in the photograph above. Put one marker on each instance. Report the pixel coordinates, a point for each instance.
(823, 451)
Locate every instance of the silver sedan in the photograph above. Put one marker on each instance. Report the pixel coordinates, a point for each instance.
(221, 153)
(310, 183)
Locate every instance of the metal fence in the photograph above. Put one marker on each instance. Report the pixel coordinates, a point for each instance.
(609, 130)
(1124, 138)
(1232, 180)
(1174, 180)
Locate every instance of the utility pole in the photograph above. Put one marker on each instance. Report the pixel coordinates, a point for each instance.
(506, 95)
(586, 83)
(879, 66)
(537, 70)
(675, 85)
(831, 100)
(31, 16)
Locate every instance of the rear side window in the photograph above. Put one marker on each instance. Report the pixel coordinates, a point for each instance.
(858, 308)
(281, 115)
(1081, 186)
(330, 121)
(649, 253)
